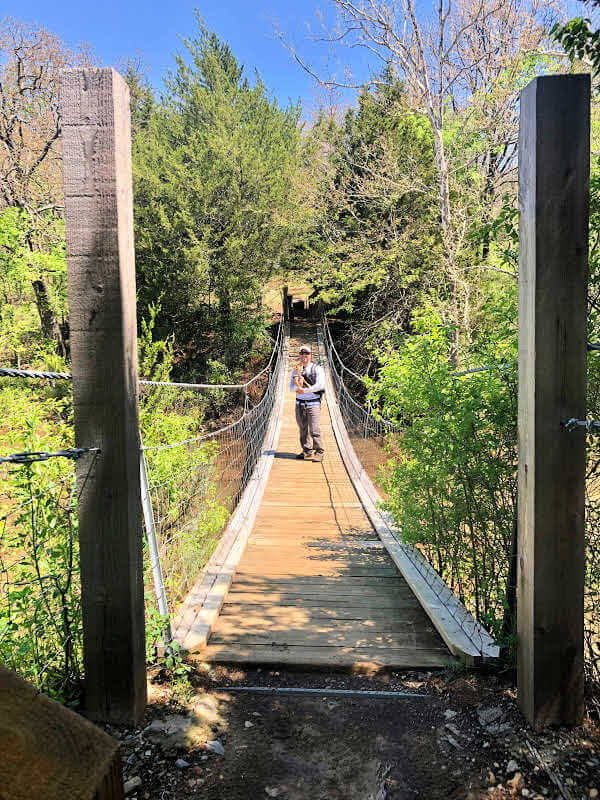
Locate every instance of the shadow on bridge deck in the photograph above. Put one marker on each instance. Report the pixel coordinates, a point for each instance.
(315, 585)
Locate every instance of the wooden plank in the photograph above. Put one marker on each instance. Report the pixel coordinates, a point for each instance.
(312, 638)
(323, 592)
(103, 341)
(287, 598)
(227, 625)
(554, 203)
(310, 569)
(282, 612)
(49, 752)
(401, 658)
(317, 581)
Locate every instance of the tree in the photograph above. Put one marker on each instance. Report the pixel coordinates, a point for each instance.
(30, 60)
(450, 65)
(30, 159)
(214, 179)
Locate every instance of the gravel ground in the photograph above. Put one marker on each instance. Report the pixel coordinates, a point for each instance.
(457, 736)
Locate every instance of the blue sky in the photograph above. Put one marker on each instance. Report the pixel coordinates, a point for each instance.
(121, 28)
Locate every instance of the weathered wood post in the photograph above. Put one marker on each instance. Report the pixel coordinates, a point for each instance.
(554, 204)
(102, 313)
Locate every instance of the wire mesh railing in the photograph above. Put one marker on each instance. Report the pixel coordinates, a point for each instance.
(367, 431)
(193, 483)
(190, 487)
(371, 437)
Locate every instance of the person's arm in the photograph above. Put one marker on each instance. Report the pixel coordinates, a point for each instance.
(319, 384)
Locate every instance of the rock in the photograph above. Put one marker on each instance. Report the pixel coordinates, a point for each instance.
(248, 724)
(272, 792)
(525, 792)
(496, 729)
(132, 784)
(512, 766)
(516, 782)
(215, 746)
(488, 715)
(207, 707)
(592, 793)
(155, 726)
(452, 741)
(449, 713)
(181, 763)
(453, 729)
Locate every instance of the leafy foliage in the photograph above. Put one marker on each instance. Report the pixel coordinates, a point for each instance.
(451, 481)
(214, 185)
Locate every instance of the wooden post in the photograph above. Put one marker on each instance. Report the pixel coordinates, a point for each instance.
(49, 752)
(554, 204)
(102, 315)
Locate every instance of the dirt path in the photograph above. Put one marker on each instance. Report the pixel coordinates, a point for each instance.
(455, 738)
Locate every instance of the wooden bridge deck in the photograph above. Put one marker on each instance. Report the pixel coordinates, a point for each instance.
(315, 585)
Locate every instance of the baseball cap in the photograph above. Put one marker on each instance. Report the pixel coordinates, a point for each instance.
(305, 349)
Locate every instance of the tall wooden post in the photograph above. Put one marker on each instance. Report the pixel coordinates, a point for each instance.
(102, 315)
(554, 204)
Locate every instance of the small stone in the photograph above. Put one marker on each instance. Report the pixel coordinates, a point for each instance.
(215, 746)
(132, 784)
(488, 715)
(181, 763)
(525, 792)
(449, 713)
(516, 782)
(512, 766)
(272, 792)
(452, 741)
(256, 714)
(248, 724)
(148, 753)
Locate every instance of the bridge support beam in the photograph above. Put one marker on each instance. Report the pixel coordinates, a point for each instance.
(101, 287)
(554, 204)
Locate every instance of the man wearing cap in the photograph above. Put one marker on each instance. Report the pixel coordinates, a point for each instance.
(308, 404)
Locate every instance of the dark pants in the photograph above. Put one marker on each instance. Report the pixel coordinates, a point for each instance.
(308, 418)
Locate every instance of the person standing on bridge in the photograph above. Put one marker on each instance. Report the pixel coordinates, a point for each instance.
(308, 404)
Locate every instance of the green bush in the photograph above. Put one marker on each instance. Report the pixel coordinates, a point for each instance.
(451, 477)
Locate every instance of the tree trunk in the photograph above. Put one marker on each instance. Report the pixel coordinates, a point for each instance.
(50, 327)
(446, 228)
(510, 611)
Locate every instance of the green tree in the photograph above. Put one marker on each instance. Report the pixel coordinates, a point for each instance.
(215, 171)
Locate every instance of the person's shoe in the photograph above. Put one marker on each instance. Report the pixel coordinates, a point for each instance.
(304, 456)
(318, 457)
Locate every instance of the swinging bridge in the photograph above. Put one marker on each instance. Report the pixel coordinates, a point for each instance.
(310, 571)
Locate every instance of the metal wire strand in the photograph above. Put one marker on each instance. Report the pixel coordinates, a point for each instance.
(196, 483)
